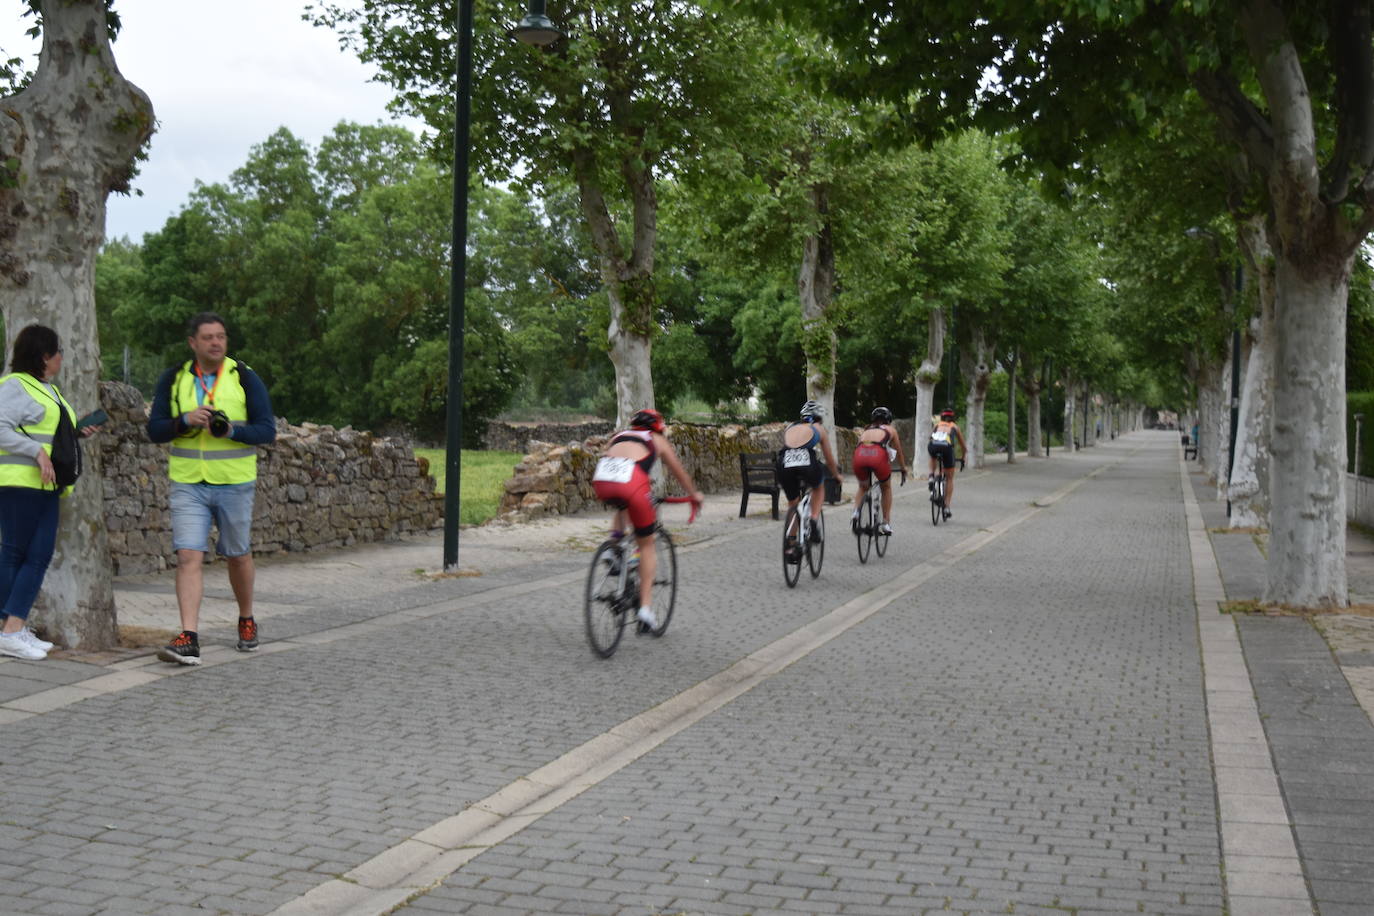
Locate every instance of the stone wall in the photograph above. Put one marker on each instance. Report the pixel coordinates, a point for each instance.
(318, 487)
(555, 479)
(516, 437)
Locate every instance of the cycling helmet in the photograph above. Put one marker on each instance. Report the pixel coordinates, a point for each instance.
(947, 413)
(882, 415)
(648, 418)
(812, 411)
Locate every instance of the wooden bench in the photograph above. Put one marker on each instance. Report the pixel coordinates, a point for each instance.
(758, 474)
(1189, 448)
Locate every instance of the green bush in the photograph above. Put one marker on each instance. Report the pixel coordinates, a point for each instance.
(1361, 402)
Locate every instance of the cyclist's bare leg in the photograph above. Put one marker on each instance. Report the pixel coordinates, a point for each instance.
(618, 522)
(648, 565)
(817, 498)
(949, 487)
(860, 491)
(792, 504)
(887, 500)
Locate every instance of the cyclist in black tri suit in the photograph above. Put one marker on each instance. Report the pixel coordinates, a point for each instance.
(799, 464)
(941, 449)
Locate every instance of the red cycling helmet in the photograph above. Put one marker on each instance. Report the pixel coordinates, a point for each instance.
(947, 413)
(648, 418)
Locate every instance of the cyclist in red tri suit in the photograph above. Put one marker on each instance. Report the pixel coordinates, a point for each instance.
(879, 446)
(622, 478)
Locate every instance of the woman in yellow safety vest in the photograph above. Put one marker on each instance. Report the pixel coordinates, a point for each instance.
(31, 407)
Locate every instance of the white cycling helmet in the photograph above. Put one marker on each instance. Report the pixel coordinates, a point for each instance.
(812, 411)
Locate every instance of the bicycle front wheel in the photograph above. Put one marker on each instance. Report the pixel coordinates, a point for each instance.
(791, 557)
(603, 611)
(665, 582)
(864, 530)
(815, 547)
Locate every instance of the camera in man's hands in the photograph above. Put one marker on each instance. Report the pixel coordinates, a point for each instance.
(219, 424)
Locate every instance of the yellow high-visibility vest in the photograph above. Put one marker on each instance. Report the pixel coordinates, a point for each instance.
(21, 470)
(197, 456)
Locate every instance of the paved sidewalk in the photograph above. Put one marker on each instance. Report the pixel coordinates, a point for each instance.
(1032, 709)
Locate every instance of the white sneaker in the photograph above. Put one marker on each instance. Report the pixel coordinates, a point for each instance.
(884, 528)
(16, 646)
(646, 616)
(33, 639)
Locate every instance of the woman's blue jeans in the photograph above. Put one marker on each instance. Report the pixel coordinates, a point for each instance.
(28, 534)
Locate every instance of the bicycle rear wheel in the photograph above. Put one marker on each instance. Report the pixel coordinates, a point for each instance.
(937, 501)
(863, 531)
(604, 608)
(815, 548)
(791, 562)
(879, 539)
(665, 582)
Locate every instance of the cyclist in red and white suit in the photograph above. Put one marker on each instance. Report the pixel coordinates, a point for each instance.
(622, 479)
(879, 446)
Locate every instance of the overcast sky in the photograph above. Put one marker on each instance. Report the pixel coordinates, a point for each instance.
(222, 77)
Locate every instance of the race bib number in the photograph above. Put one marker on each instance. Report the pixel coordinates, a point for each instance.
(796, 458)
(614, 470)
(941, 436)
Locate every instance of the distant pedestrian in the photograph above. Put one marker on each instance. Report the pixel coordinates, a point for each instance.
(215, 411)
(38, 448)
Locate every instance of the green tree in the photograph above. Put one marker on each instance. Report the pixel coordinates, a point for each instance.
(610, 111)
(68, 139)
(1288, 87)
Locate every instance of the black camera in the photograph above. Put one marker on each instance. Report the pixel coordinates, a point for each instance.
(219, 424)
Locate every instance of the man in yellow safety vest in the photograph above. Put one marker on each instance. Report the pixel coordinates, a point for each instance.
(215, 411)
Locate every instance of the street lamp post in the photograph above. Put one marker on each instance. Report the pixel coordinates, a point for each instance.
(535, 29)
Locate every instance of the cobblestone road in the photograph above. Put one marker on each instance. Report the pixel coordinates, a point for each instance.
(1007, 714)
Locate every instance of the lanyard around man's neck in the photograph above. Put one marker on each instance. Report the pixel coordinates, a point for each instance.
(208, 389)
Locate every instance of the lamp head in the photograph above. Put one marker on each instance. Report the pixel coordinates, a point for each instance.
(536, 28)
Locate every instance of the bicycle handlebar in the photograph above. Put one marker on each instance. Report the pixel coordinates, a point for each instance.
(681, 499)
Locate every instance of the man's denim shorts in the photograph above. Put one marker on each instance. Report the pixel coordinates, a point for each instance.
(229, 506)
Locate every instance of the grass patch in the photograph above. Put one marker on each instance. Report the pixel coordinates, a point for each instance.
(483, 476)
(1249, 606)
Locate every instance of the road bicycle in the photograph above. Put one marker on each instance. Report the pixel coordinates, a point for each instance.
(612, 595)
(799, 541)
(938, 510)
(868, 526)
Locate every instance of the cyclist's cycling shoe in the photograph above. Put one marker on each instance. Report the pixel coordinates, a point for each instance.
(793, 551)
(885, 528)
(854, 523)
(948, 515)
(815, 534)
(930, 484)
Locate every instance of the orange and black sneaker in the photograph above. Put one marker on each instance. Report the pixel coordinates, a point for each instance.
(184, 650)
(248, 634)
